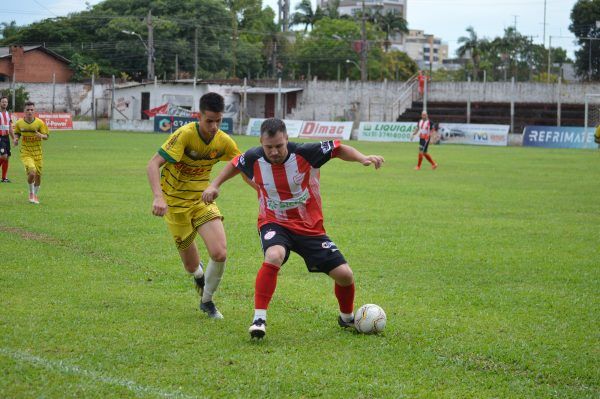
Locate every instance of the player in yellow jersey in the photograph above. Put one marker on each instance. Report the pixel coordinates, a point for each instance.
(188, 156)
(31, 131)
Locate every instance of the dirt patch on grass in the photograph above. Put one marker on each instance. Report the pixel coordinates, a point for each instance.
(29, 235)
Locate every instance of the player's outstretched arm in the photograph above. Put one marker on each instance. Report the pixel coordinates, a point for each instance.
(351, 154)
(212, 191)
(159, 205)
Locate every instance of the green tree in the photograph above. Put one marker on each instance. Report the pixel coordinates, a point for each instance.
(329, 45)
(8, 29)
(471, 45)
(584, 15)
(391, 22)
(305, 15)
(97, 33)
(21, 97)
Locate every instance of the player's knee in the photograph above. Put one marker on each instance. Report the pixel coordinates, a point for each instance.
(275, 256)
(219, 255)
(189, 266)
(343, 275)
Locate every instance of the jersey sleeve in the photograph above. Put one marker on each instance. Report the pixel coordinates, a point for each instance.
(17, 127)
(172, 149)
(245, 162)
(317, 154)
(231, 150)
(44, 128)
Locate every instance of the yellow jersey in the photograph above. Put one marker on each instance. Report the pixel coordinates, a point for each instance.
(30, 143)
(189, 162)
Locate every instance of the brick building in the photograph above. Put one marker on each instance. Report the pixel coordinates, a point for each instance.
(33, 64)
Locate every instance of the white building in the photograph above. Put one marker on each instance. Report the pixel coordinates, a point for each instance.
(352, 7)
(426, 50)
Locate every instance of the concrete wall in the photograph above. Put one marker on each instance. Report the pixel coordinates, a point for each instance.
(128, 99)
(502, 92)
(349, 101)
(70, 97)
(132, 125)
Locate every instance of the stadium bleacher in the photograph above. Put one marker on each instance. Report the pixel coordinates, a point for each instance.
(498, 113)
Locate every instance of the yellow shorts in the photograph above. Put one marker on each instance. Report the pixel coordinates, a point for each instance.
(32, 164)
(184, 225)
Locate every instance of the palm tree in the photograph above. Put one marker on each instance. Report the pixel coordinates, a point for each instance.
(391, 22)
(471, 45)
(306, 15)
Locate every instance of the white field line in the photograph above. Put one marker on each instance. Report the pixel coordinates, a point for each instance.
(65, 368)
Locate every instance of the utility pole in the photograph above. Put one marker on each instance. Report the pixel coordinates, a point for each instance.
(363, 45)
(150, 46)
(284, 14)
(544, 23)
(549, 57)
(195, 55)
(176, 66)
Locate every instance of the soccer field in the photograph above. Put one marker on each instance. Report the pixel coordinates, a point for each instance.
(488, 269)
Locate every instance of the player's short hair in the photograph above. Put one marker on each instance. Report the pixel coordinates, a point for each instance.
(29, 103)
(270, 127)
(3, 97)
(213, 102)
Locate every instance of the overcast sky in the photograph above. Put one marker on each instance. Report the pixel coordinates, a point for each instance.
(446, 19)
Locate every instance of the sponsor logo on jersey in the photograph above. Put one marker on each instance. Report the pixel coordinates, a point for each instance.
(279, 205)
(298, 178)
(326, 147)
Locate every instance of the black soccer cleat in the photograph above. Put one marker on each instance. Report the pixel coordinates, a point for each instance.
(7, 180)
(345, 324)
(199, 281)
(211, 310)
(258, 329)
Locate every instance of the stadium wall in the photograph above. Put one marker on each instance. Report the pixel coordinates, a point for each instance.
(502, 92)
(75, 98)
(320, 100)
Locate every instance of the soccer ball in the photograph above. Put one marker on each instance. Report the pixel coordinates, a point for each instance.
(370, 319)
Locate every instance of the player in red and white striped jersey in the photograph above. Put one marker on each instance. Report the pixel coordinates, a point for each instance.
(425, 127)
(6, 135)
(286, 177)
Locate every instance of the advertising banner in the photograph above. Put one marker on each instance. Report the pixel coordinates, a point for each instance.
(387, 131)
(62, 121)
(293, 127)
(168, 123)
(463, 133)
(558, 137)
(326, 130)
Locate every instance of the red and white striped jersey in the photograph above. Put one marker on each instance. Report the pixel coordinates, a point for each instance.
(5, 122)
(289, 193)
(424, 128)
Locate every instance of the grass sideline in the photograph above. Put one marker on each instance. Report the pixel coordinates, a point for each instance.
(487, 268)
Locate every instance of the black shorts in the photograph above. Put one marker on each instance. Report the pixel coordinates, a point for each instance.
(424, 145)
(4, 145)
(319, 253)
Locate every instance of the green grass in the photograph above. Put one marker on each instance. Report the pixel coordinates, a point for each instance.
(488, 269)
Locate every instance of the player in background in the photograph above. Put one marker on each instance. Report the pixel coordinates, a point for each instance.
(31, 131)
(425, 128)
(286, 176)
(6, 136)
(188, 156)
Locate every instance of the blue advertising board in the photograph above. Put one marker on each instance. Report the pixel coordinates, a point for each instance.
(558, 137)
(168, 124)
